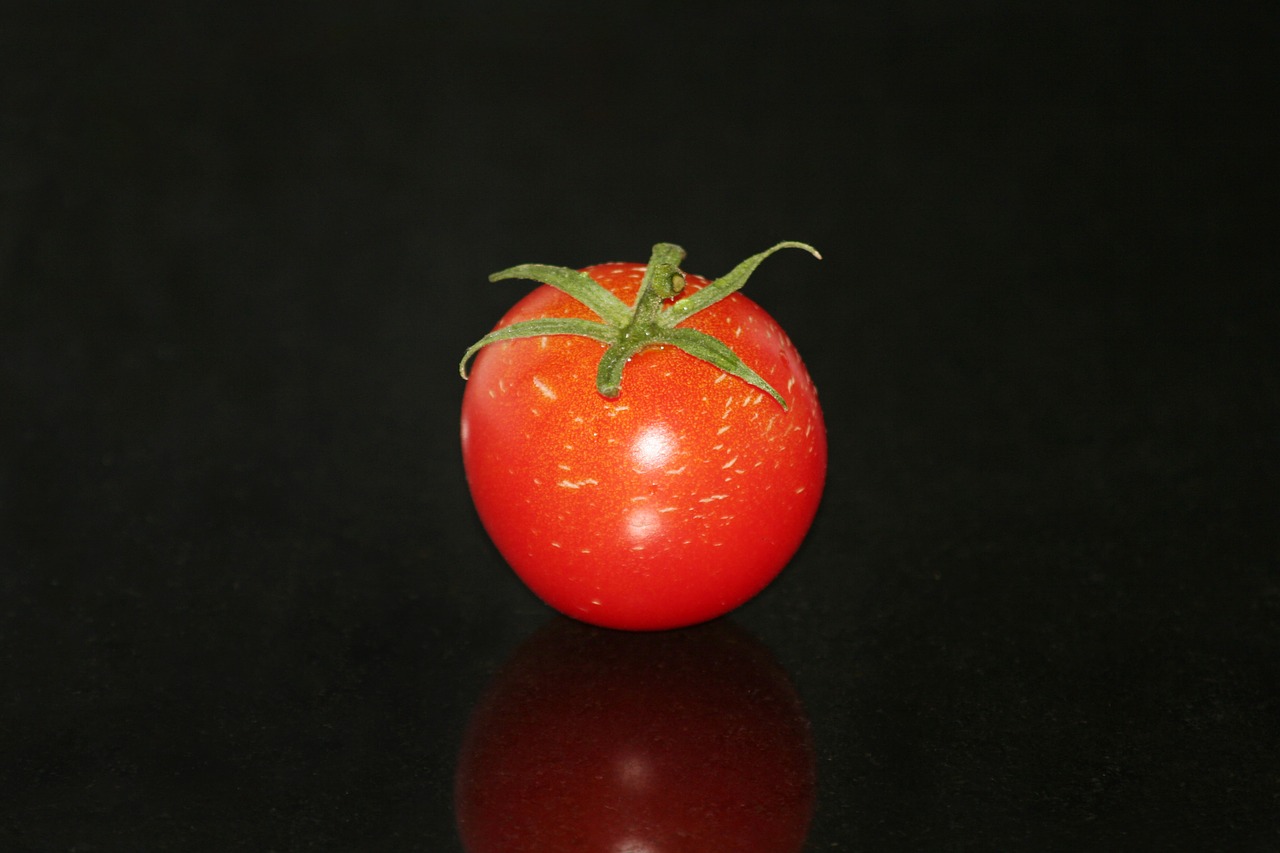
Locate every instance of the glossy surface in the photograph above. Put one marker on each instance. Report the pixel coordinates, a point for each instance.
(672, 504)
(676, 742)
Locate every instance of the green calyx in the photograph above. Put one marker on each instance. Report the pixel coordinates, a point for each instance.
(652, 321)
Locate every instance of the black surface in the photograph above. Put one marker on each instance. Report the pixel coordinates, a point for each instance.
(246, 604)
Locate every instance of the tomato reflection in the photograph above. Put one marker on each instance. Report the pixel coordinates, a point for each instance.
(597, 740)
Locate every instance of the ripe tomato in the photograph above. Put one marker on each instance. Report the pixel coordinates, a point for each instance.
(690, 740)
(659, 496)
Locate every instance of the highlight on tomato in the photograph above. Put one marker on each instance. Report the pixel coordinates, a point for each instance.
(643, 445)
(682, 741)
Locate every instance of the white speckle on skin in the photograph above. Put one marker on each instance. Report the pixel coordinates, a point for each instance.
(544, 388)
(572, 484)
(711, 498)
(729, 463)
(722, 430)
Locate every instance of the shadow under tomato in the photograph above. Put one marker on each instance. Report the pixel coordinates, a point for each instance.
(599, 740)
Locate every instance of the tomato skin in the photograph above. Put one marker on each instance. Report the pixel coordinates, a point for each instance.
(591, 740)
(668, 506)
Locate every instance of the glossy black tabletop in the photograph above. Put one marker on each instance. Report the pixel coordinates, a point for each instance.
(246, 602)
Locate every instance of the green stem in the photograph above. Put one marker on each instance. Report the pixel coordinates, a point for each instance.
(659, 284)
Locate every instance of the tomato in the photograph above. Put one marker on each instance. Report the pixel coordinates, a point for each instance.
(644, 446)
(691, 740)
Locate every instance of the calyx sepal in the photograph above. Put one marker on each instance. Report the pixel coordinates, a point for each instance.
(651, 321)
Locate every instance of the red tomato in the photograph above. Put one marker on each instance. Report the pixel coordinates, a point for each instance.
(593, 740)
(670, 504)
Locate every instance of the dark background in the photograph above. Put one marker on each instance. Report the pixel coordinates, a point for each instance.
(245, 601)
